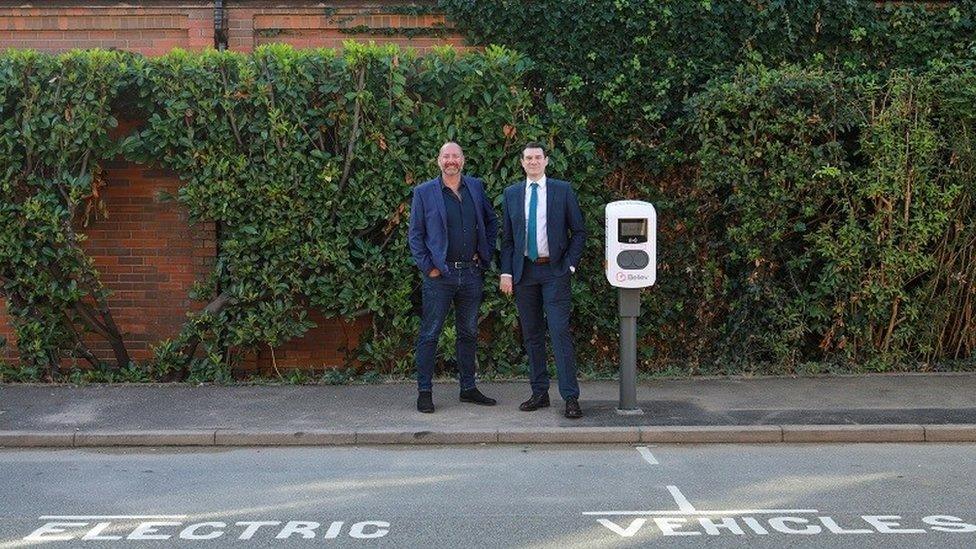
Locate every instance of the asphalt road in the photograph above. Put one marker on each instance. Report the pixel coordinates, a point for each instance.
(861, 495)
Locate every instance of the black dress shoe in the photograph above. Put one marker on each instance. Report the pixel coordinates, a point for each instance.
(475, 396)
(573, 409)
(425, 402)
(536, 401)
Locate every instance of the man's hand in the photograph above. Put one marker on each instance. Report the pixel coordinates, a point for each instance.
(505, 284)
(434, 273)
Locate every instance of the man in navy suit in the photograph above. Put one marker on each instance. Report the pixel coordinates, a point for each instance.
(452, 239)
(542, 242)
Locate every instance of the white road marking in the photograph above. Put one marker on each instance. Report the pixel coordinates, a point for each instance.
(685, 508)
(648, 456)
(694, 513)
(680, 499)
(118, 517)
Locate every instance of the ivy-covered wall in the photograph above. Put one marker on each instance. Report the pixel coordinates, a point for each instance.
(812, 167)
(305, 159)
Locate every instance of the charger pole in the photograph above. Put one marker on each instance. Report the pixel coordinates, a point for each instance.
(629, 311)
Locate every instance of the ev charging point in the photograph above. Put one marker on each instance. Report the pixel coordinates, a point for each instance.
(630, 264)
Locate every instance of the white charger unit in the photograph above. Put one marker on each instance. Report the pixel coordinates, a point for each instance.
(631, 244)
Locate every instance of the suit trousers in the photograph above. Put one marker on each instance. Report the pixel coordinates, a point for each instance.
(463, 289)
(544, 300)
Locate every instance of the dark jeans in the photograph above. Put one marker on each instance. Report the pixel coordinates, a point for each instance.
(544, 300)
(463, 289)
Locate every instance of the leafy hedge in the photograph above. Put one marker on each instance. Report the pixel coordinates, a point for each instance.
(841, 210)
(812, 168)
(647, 76)
(630, 65)
(306, 161)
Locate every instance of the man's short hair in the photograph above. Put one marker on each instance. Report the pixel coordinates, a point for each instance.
(534, 145)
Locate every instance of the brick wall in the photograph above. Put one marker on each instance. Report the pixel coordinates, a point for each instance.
(155, 27)
(309, 27)
(328, 345)
(147, 254)
(152, 30)
(146, 251)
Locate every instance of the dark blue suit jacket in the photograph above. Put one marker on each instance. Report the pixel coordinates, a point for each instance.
(564, 228)
(427, 234)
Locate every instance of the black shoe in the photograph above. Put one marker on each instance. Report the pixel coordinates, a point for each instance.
(475, 396)
(538, 400)
(573, 409)
(425, 402)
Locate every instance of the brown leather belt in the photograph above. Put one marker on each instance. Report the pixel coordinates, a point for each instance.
(540, 261)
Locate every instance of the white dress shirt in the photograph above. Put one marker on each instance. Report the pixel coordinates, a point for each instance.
(541, 237)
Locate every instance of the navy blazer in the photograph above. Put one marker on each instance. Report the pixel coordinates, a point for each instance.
(427, 234)
(564, 228)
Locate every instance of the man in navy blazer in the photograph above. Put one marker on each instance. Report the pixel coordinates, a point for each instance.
(452, 239)
(542, 243)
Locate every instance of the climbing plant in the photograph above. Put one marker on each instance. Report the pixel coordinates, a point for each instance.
(55, 115)
(307, 160)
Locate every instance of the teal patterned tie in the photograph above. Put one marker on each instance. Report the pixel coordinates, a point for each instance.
(533, 246)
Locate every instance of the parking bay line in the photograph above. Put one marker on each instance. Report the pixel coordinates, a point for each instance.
(648, 456)
(685, 508)
(705, 513)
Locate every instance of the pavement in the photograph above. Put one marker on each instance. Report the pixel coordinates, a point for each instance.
(872, 408)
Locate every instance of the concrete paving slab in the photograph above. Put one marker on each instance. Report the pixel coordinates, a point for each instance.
(578, 435)
(692, 434)
(239, 437)
(853, 433)
(144, 438)
(38, 439)
(950, 433)
(427, 437)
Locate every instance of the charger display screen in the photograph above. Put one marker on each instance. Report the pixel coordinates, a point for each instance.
(632, 231)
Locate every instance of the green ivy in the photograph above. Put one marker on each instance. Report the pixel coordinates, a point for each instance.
(631, 64)
(842, 211)
(408, 32)
(307, 159)
(644, 75)
(812, 165)
(55, 114)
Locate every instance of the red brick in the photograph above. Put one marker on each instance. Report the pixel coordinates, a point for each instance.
(132, 28)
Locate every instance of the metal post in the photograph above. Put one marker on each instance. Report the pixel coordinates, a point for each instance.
(629, 311)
